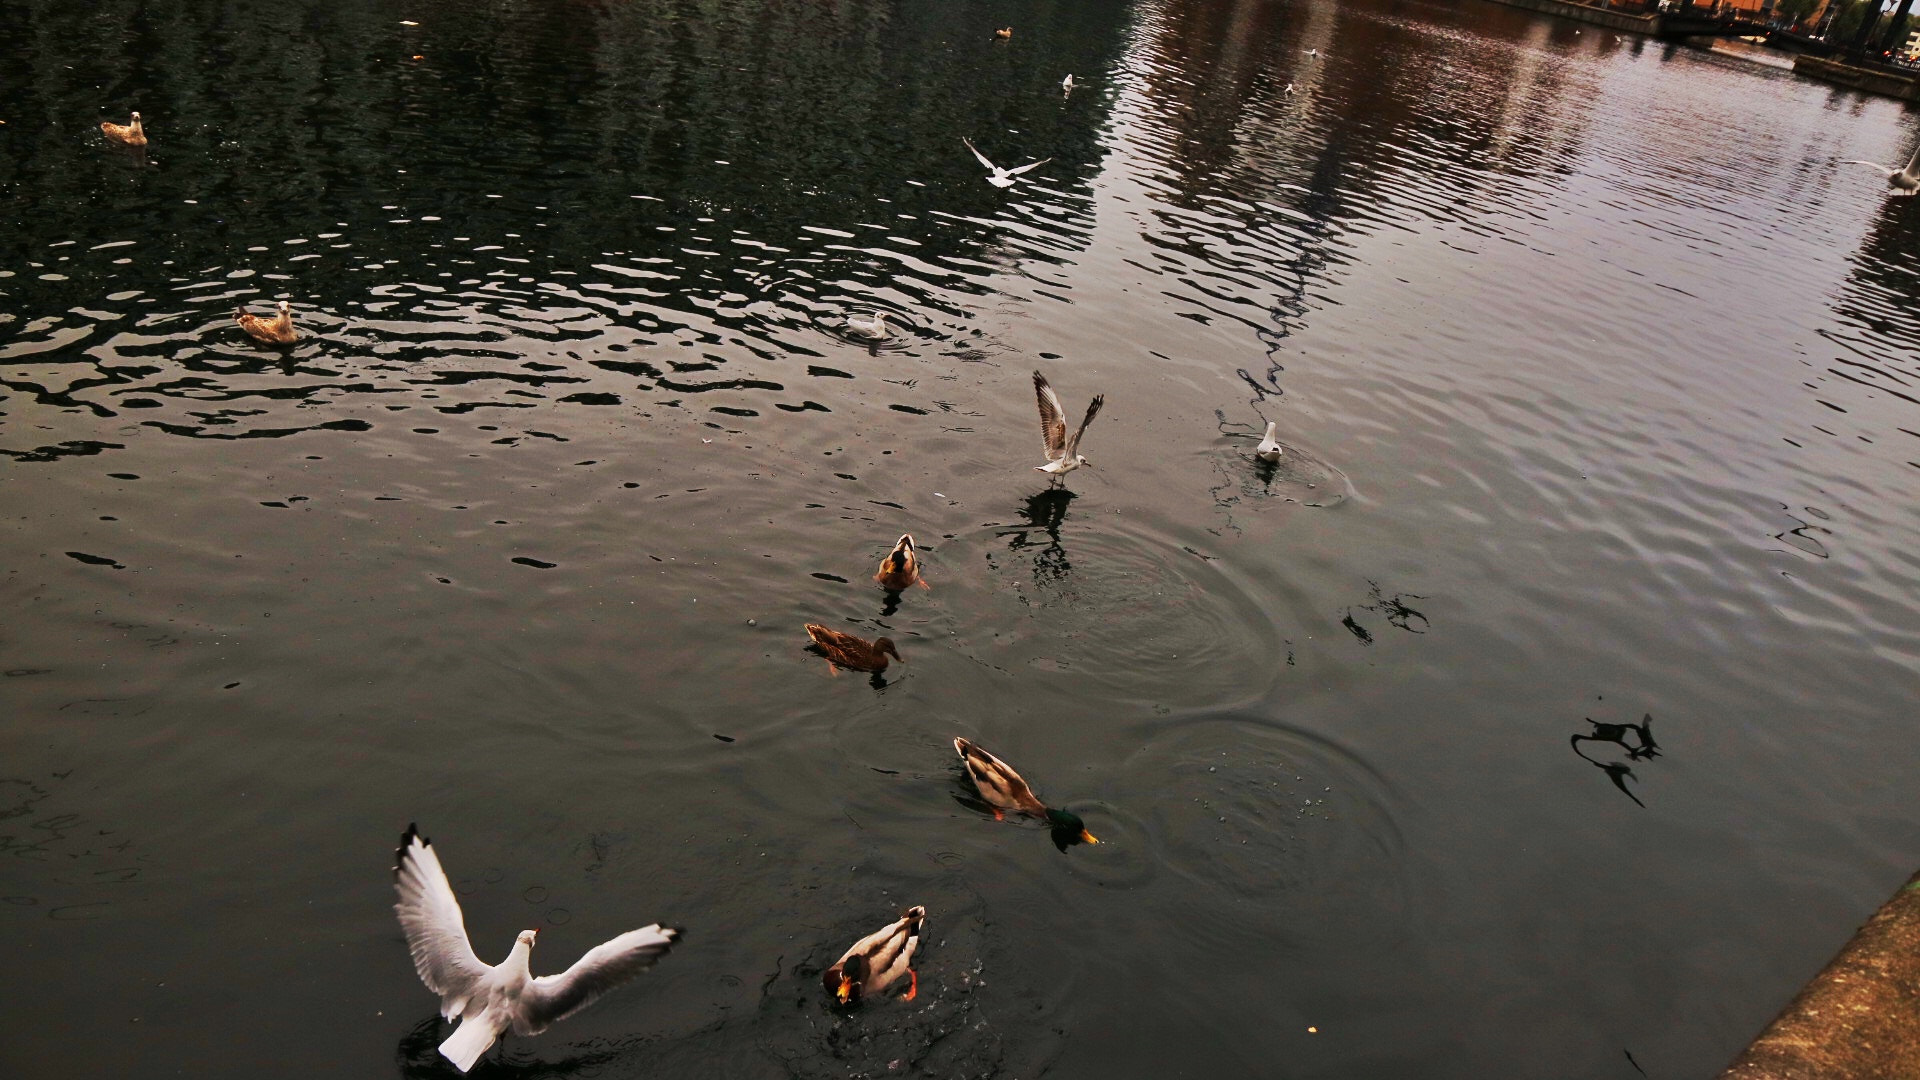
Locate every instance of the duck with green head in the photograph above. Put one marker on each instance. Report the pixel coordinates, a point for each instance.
(1004, 790)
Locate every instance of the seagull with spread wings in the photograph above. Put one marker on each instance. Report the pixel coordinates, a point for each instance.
(1899, 181)
(1063, 454)
(490, 1000)
(997, 176)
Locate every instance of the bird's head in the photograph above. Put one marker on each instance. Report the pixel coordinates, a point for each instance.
(136, 118)
(1084, 463)
(843, 979)
(526, 938)
(885, 646)
(1068, 827)
(901, 556)
(287, 309)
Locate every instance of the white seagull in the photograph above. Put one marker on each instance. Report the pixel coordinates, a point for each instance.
(1900, 182)
(873, 327)
(999, 177)
(490, 1000)
(1313, 52)
(1066, 84)
(1270, 448)
(1063, 454)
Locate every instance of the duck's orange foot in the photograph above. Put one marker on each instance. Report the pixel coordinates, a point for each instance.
(833, 668)
(913, 987)
(923, 584)
(999, 815)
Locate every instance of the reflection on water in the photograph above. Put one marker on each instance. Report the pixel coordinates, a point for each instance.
(578, 434)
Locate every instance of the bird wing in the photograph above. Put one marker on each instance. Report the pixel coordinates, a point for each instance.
(996, 780)
(1028, 165)
(1053, 419)
(1914, 160)
(436, 934)
(1093, 409)
(833, 639)
(976, 153)
(605, 966)
(1882, 169)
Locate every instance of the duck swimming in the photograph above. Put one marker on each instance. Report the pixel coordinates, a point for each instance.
(877, 961)
(275, 331)
(128, 134)
(874, 327)
(847, 651)
(901, 568)
(1003, 789)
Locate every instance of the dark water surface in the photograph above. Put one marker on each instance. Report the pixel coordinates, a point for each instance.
(1602, 389)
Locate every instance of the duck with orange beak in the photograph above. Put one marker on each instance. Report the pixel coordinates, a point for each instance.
(877, 961)
(1004, 790)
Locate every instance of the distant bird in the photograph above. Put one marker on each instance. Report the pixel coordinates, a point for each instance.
(901, 568)
(874, 327)
(1066, 84)
(1900, 182)
(1003, 33)
(1289, 88)
(1270, 448)
(490, 1000)
(997, 176)
(275, 331)
(129, 134)
(1313, 52)
(877, 961)
(1063, 454)
(847, 651)
(1004, 790)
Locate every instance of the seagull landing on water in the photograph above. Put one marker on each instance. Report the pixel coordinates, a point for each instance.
(1270, 448)
(1900, 182)
(490, 1000)
(873, 327)
(999, 177)
(1063, 454)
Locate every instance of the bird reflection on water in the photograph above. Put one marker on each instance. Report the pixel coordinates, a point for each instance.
(1045, 511)
(1640, 749)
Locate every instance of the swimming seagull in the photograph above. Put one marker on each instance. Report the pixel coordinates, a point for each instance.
(1269, 448)
(1066, 84)
(1900, 182)
(1313, 52)
(999, 177)
(874, 327)
(490, 1000)
(1063, 454)
(1289, 88)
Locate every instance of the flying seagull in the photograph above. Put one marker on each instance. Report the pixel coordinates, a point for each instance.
(490, 1000)
(1063, 454)
(999, 177)
(1900, 182)
(1270, 448)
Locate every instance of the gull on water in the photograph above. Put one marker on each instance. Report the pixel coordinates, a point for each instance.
(997, 176)
(1899, 181)
(490, 1000)
(1063, 454)
(874, 326)
(1313, 52)
(1270, 448)
(1066, 84)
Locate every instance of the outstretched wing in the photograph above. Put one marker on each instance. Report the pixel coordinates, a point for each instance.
(1093, 409)
(1028, 165)
(1053, 420)
(1914, 160)
(1875, 166)
(605, 966)
(978, 154)
(436, 934)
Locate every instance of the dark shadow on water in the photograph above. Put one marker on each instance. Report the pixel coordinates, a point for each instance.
(1044, 511)
(1641, 748)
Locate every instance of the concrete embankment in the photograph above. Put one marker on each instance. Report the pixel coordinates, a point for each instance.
(1859, 1019)
(1618, 20)
(1871, 80)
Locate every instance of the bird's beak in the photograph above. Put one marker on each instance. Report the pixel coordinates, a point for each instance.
(533, 935)
(1088, 838)
(845, 990)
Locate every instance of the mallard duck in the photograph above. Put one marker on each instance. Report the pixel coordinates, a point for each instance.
(1063, 454)
(877, 961)
(901, 567)
(130, 134)
(847, 651)
(873, 327)
(1003, 33)
(1004, 790)
(275, 331)
(1270, 448)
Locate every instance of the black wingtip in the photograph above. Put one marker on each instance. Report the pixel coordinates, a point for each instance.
(406, 841)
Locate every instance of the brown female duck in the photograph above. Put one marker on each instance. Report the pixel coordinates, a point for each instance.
(275, 331)
(127, 134)
(901, 568)
(878, 960)
(847, 651)
(1004, 790)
